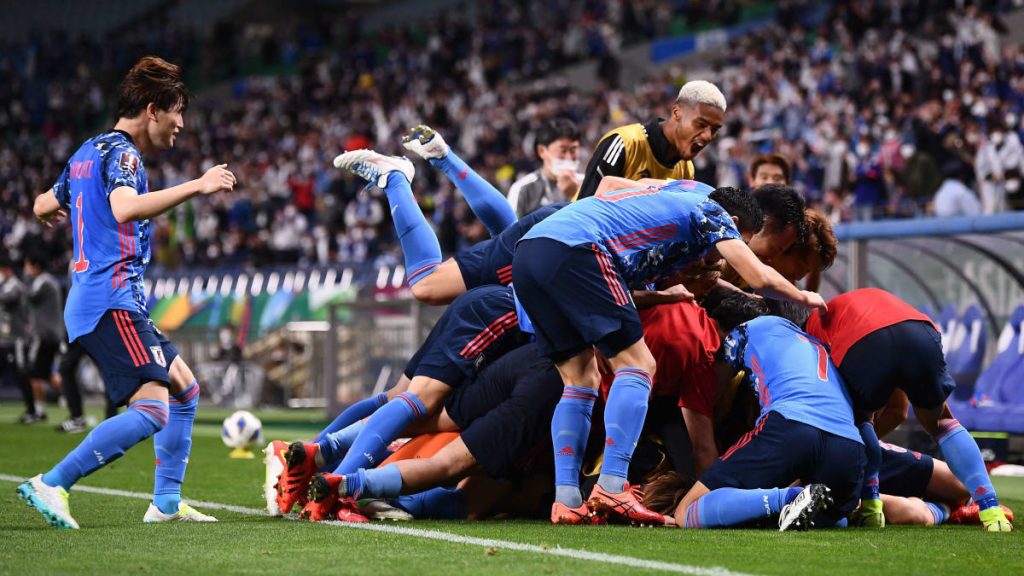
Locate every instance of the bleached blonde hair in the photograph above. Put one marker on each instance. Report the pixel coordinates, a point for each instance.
(697, 92)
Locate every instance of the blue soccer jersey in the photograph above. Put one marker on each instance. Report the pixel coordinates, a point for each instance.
(791, 374)
(109, 258)
(650, 233)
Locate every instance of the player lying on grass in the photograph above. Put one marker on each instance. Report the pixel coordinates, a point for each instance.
(106, 190)
(479, 327)
(572, 273)
(881, 344)
(805, 431)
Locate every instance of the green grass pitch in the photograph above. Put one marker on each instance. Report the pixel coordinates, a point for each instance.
(113, 539)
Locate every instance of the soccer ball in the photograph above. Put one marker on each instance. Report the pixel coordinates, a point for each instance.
(242, 430)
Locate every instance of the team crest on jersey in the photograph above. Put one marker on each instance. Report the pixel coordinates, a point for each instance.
(158, 355)
(128, 162)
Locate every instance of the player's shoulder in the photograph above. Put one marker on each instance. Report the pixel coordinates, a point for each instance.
(628, 133)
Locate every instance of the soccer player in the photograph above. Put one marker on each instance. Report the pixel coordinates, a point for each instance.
(812, 256)
(805, 430)
(572, 274)
(881, 344)
(661, 149)
(105, 189)
(558, 146)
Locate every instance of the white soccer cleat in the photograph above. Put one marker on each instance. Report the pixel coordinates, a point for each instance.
(381, 510)
(275, 464)
(373, 166)
(425, 143)
(798, 513)
(51, 502)
(185, 513)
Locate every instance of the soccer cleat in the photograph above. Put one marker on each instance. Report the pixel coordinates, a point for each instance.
(323, 498)
(300, 465)
(373, 166)
(425, 143)
(51, 502)
(562, 514)
(382, 510)
(969, 514)
(994, 519)
(31, 417)
(798, 514)
(185, 513)
(348, 511)
(73, 426)
(870, 514)
(275, 464)
(624, 506)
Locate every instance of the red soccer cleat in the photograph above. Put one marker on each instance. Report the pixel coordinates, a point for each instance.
(348, 511)
(562, 514)
(323, 498)
(968, 514)
(293, 484)
(624, 506)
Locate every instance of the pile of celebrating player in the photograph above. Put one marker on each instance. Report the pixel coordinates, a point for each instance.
(726, 395)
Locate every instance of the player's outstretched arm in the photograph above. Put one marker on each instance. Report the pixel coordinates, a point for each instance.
(128, 205)
(764, 279)
(48, 209)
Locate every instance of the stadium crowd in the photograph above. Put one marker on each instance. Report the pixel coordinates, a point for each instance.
(873, 128)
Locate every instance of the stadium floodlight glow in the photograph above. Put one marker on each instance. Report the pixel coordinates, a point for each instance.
(289, 282)
(314, 280)
(300, 281)
(396, 278)
(241, 284)
(346, 278)
(273, 282)
(330, 278)
(382, 277)
(197, 285)
(212, 284)
(257, 284)
(308, 326)
(225, 287)
(182, 286)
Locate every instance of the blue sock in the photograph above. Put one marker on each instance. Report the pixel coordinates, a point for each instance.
(353, 414)
(489, 205)
(961, 453)
(419, 243)
(108, 442)
(383, 482)
(371, 445)
(623, 421)
(437, 503)
(869, 489)
(334, 446)
(172, 446)
(733, 506)
(570, 427)
(939, 512)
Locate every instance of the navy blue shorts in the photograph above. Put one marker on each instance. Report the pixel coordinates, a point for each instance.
(779, 451)
(476, 329)
(505, 412)
(490, 261)
(129, 351)
(904, 472)
(907, 355)
(575, 299)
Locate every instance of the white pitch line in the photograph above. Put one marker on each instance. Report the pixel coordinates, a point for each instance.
(575, 554)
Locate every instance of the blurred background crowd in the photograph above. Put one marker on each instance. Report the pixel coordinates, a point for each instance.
(886, 109)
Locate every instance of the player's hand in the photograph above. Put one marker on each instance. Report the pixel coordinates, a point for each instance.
(217, 179)
(678, 293)
(814, 300)
(52, 218)
(568, 182)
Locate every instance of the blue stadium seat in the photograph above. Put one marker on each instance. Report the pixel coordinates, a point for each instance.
(998, 401)
(948, 319)
(966, 351)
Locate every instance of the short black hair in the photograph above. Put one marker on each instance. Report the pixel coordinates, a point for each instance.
(555, 128)
(732, 308)
(742, 205)
(36, 256)
(795, 313)
(782, 206)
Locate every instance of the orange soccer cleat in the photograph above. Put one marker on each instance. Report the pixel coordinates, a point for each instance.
(323, 498)
(293, 484)
(562, 514)
(348, 511)
(624, 506)
(969, 514)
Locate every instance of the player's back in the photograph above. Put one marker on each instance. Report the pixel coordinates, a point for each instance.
(647, 231)
(109, 257)
(791, 374)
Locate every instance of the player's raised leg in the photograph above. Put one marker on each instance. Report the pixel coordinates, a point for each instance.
(394, 175)
(489, 205)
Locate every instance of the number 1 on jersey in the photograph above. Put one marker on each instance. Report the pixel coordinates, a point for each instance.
(80, 264)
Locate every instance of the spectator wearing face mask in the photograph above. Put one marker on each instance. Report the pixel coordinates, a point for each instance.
(558, 147)
(997, 166)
